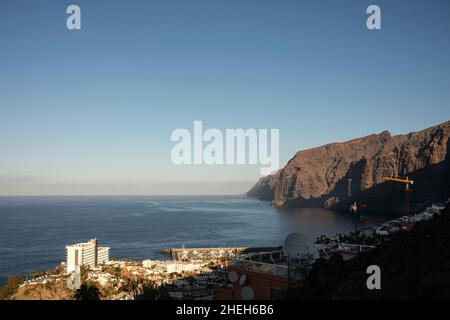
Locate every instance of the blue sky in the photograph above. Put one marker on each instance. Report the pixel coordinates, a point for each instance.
(91, 111)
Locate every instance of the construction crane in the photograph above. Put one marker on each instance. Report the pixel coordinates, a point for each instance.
(406, 180)
(407, 183)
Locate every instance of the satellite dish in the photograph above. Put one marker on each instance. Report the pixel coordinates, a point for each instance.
(233, 276)
(247, 293)
(242, 279)
(295, 245)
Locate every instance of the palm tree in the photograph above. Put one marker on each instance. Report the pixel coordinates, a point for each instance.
(87, 292)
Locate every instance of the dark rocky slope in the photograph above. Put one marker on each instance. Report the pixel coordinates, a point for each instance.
(335, 175)
(414, 265)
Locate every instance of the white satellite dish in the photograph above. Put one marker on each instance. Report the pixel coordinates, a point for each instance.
(233, 276)
(247, 293)
(242, 279)
(295, 245)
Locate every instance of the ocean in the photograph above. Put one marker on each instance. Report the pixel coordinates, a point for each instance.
(35, 230)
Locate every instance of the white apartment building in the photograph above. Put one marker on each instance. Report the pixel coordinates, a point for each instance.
(86, 254)
(179, 267)
(171, 266)
(148, 263)
(102, 255)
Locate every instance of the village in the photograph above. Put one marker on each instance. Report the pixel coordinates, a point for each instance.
(189, 275)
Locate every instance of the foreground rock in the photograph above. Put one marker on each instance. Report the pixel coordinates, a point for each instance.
(335, 175)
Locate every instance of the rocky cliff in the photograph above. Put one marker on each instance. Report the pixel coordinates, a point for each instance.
(337, 174)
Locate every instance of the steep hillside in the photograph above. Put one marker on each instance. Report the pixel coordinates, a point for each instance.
(414, 265)
(335, 175)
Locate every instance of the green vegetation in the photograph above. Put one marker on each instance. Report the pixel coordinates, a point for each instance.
(87, 291)
(10, 287)
(137, 286)
(148, 292)
(84, 271)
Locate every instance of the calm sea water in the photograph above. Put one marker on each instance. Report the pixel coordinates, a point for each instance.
(35, 230)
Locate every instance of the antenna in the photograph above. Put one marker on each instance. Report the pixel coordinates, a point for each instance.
(295, 245)
(233, 277)
(242, 279)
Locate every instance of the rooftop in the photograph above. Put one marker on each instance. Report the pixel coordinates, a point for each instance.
(81, 244)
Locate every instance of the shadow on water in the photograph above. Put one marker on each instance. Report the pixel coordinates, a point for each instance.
(314, 222)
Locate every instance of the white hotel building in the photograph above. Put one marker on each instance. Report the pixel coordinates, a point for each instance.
(172, 266)
(86, 254)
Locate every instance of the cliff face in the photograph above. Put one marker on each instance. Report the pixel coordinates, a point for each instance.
(335, 175)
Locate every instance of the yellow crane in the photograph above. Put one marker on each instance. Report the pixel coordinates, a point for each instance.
(406, 180)
(407, 183)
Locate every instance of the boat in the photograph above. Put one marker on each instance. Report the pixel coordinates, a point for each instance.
(358, 207)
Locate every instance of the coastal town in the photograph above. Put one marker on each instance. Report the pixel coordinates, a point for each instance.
(200, 273)
(192, 275)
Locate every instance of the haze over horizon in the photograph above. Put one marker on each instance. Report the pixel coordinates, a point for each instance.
(91, 111)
